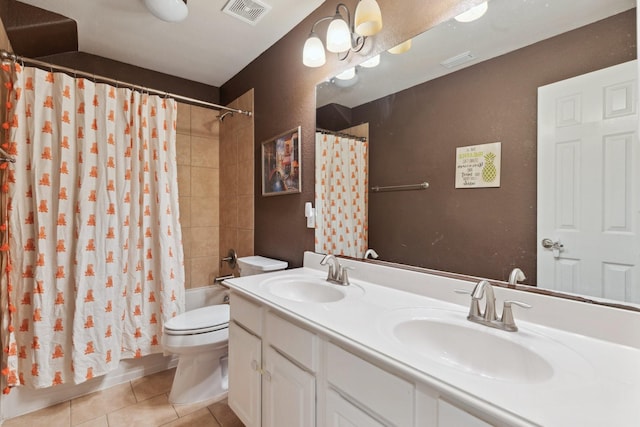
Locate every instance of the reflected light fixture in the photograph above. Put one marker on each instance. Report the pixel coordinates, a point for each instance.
(371, 62)
(474, 13)
(343, 35)
(168, 10)
(401, 48)
(347, 74)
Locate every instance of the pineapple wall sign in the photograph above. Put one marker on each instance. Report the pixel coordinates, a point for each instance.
(478, 166)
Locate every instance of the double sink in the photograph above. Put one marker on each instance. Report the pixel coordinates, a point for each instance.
(441, 336)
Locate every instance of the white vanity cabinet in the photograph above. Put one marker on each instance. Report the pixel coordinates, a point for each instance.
(282, 374)
(271, 368)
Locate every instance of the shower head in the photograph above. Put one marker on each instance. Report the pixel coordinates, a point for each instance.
(223, 115)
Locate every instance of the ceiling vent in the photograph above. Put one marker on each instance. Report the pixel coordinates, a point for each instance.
(249, 11)
(457, 60)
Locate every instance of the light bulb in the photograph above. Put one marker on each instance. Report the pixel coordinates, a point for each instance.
(401, 48)
(368, 18)
(338, 35)
(347, 74)
(168, 10)
(371, 62)
(474, 13)
(313, 52)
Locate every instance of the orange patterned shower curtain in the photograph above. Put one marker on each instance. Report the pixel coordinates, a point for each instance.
(95, 253)
(341, 195)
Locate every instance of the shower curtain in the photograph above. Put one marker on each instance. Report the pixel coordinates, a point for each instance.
(95, 262)
(341, 195)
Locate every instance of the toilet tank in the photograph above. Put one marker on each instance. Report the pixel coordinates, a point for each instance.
(258, 264)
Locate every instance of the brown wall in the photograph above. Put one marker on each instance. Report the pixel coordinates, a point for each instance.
(284, 91)
(37, 32)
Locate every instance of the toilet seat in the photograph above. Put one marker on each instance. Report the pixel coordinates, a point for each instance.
(199, 321)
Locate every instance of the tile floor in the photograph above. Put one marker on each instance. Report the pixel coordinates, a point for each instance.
(141, 402)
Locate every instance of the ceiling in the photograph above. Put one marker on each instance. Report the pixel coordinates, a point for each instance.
(209, 46)
(508, 25)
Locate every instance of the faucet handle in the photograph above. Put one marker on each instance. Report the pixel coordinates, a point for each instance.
(507, 314)
(518, 303)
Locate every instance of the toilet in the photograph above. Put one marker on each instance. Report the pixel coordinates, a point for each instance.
(248, 266)
(200, 339)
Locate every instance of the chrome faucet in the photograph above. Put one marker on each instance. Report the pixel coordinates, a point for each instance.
(488, 317)
(337, 273)
(516, 276)
(370, 253)
(483, 289)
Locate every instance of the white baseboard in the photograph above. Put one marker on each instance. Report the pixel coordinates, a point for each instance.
(23, 400)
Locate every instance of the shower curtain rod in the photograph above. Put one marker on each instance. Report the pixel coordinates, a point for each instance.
(330, 132)
(6, 55)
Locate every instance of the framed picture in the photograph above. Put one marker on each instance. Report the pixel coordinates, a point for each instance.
(281, 168)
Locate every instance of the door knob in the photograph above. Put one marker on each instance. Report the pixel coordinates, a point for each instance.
(556, 247)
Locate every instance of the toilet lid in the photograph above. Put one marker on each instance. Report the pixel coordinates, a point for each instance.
(200, 320)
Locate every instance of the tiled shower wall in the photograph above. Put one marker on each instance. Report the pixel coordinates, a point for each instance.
(198, 147)
(216, 186)
(236, 181)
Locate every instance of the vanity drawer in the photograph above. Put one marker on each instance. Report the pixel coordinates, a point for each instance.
(383, 393)
(292, 340)
(246, 313)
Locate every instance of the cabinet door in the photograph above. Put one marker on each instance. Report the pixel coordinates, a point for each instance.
(341, 413)
(244, 374)
(289, 393)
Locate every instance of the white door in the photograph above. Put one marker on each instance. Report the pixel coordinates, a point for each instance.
(245, 364)
(289, 393)
(588, 184)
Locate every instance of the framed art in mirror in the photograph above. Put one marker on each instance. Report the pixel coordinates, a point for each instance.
(281, 168)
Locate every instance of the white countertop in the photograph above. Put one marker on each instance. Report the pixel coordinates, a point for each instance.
(594, 382)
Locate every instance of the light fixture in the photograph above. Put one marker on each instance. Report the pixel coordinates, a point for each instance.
(347, 74)
(474, 13)
(338, 35)
(313, 52)
(168, 10)
(371, 62)
(343, 35)
(368, 19)
(401, 48)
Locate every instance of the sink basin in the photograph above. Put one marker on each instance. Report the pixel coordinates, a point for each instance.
(447, 338)
(473, 350)
(308, 289)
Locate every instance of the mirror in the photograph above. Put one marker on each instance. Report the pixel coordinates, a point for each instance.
(460, 85)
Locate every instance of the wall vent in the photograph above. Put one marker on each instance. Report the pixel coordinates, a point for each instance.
(249, 11)
(457, 60)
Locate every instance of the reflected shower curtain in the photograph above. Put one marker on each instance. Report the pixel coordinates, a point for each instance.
(96, 262)
(341, 195)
